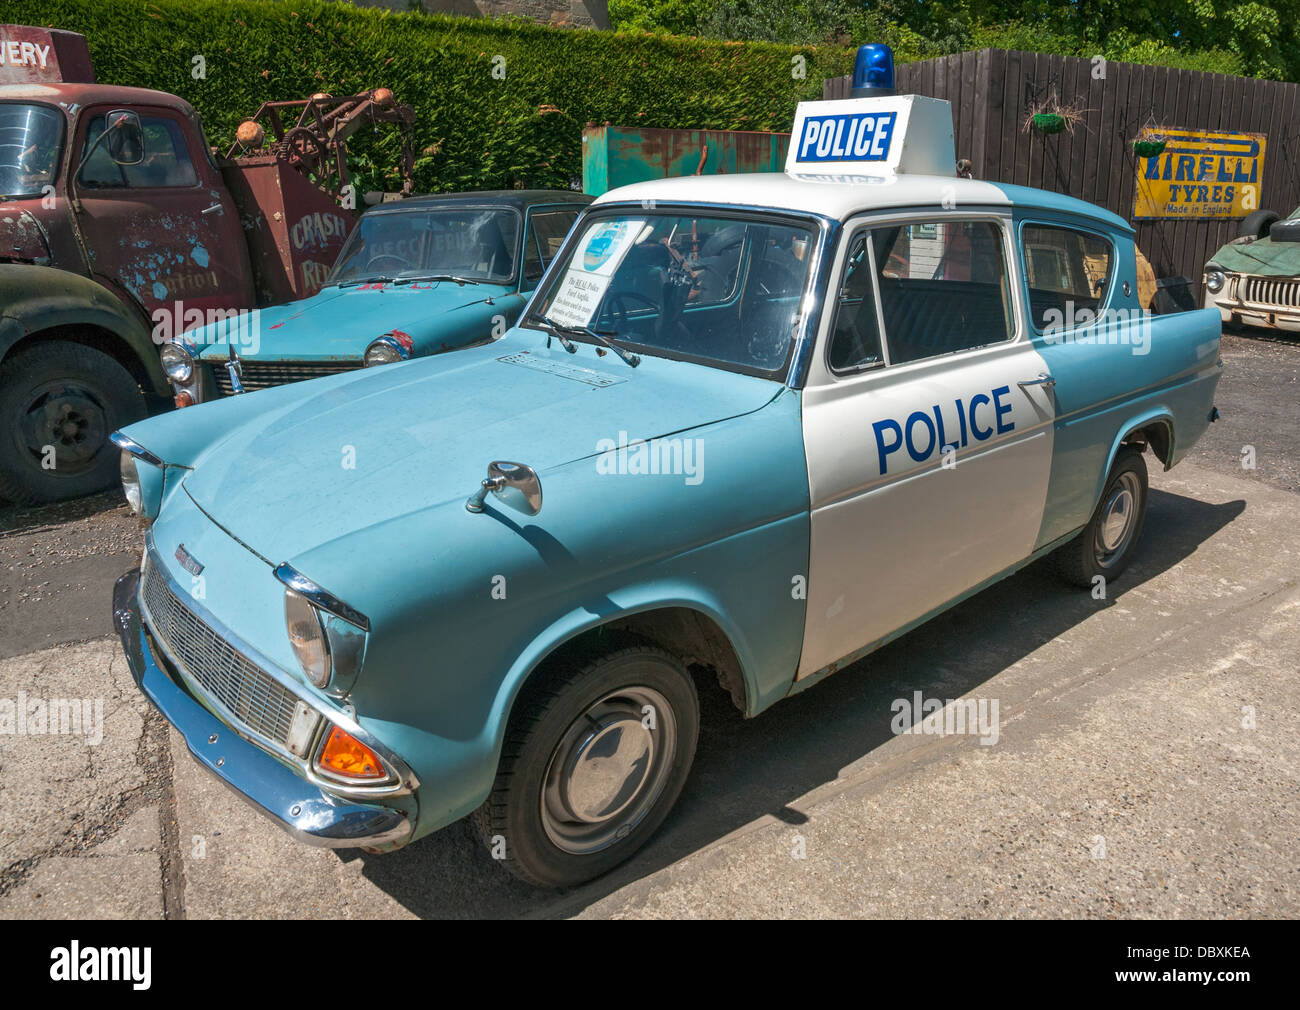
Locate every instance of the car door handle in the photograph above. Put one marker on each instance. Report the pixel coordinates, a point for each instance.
(210, 210)
(1044, 380)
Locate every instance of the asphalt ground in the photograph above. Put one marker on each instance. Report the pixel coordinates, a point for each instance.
(1146, 763)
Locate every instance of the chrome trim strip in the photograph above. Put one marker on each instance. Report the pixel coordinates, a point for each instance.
(319, 597)
(816, 293)
(134, 448)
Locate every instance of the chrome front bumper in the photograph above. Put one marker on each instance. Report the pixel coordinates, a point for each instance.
(310, 814)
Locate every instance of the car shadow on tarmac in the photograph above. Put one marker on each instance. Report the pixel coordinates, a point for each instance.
(745, 769)
(23, 518)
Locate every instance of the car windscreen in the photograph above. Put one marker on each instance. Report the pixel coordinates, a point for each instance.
(31, 143)
(476, 243)
(722, 289)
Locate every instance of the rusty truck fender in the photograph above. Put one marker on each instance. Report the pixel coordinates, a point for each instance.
(41, 300)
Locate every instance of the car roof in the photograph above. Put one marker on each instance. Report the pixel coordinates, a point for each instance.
(841, 197)
(520, 199)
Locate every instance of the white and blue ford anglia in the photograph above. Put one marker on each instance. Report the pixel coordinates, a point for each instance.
(755, 424)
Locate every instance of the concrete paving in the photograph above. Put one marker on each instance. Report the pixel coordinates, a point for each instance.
(1147, 764)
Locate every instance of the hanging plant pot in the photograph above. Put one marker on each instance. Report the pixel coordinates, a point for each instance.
(1049, 122)
(1148, 148)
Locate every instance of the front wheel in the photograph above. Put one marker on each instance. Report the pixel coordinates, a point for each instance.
(59, 402)
(594, 759)
(1106, 545)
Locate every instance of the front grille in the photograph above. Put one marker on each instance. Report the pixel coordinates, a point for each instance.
(246, 692)
(1279, 291)
(262, 374)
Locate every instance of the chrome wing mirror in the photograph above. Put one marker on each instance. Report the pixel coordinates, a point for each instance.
(515, 484)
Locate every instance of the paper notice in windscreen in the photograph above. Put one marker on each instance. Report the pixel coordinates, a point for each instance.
(592, 268)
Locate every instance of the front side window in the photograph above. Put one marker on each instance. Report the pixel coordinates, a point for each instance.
(726, 290)
(855, 340)
(31, 143)
(472, 243)
(1067, 270)
(166, 158)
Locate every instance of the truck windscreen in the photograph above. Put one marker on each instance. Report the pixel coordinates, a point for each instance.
(31, 142)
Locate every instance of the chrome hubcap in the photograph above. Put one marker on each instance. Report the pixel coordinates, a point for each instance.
(1118, 519)
(608, 769)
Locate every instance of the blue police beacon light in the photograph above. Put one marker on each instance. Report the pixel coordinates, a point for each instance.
(873, 71)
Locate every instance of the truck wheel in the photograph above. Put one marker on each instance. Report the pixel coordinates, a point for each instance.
(1106, 544)
(1256, 225)
(59, 402)
(593, 761)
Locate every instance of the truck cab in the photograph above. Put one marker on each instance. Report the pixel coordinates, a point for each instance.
(120, 227)
(98, 232)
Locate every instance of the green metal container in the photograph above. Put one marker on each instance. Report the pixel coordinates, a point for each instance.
(615, 156)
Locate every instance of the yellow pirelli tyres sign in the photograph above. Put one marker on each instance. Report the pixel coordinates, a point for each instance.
(1200, 175)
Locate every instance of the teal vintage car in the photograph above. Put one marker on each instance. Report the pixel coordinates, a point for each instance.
(416, 277)
(751, 426)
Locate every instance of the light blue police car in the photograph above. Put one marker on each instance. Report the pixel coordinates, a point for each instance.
(761, 424)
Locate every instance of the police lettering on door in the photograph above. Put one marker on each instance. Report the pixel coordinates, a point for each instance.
(858, 136)
(924, 433)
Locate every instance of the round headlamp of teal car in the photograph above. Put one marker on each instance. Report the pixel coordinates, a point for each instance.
(131, 482)
(386, 350)
(177, 362)
(142, 477)
(307, 637)
(327, 636)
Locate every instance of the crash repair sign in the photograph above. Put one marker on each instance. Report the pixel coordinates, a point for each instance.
(1200, 175)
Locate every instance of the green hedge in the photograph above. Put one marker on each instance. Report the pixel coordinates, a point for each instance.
(473, 131)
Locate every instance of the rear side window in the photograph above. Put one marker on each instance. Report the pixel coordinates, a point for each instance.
(1068, 272)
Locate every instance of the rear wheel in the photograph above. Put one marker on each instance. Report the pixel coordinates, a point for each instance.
(1106, 544)
(59, 402)
(594, 759)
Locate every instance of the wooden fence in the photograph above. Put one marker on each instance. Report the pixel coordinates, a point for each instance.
(993, 91)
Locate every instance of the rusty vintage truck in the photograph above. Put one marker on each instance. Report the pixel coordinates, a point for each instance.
(119, 223)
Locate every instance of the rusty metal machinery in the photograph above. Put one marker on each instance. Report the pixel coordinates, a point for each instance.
(311, 135)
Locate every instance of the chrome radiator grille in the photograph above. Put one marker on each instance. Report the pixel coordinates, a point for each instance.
(249, 694)
(262, 374)
(1272, 291)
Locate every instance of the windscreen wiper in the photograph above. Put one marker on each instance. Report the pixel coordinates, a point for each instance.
(600, 336)
(462, 281)
(366, 280)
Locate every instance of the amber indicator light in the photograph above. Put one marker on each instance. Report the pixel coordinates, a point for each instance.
(345, 755)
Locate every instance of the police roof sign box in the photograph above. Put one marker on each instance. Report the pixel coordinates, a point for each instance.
(889, 135)
(43, 56)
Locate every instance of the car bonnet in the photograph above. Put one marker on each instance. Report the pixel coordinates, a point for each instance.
(373, 445)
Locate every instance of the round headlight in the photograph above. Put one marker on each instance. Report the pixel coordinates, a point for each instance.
(1214, 281)
(307, 637)
(177, 362)
(384, 351)
(131, 482)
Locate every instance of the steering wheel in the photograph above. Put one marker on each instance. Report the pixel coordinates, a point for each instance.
(402, 264)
